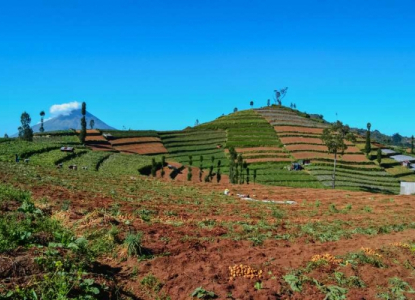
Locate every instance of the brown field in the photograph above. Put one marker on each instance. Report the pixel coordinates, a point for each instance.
(195, 233)
(257, 149)
(281, 129)
(150, 148)
(307, 147)
(134, 140)
(89, 138)
(275, 159)
(346, 157)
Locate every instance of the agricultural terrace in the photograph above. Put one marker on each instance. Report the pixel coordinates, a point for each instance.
(95, 141)
(195, 143)
(391, 166)
(124, 164)
(162, 240)
(261, 148)
(302, 139)
(144, 142)
(284, 116)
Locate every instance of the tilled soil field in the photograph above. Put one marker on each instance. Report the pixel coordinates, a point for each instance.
(259, 242)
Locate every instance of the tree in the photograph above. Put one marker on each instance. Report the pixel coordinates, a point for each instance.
(412, 145)
(82, 135)
(235, 110)
(189, 174)
(153, 167)
(6, 136)
(92, 123)
(279, 95)
(268, 102)
(42, 114)
(197, 122)
(334, 138)
(254, 176)
(25, 131)
(368, 147)
(396, 139)
(252, 104)
(379, 157)
(190, 160)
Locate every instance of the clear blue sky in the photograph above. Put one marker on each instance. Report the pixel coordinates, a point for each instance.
(164, 64)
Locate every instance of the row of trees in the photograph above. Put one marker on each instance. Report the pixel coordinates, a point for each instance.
(26, 131)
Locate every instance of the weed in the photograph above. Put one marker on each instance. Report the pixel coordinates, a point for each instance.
(201, 293)
(258, 285)
(367, 209)
(151, 282)
(133, 242)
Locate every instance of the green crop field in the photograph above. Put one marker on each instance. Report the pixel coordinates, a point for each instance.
(124, 164)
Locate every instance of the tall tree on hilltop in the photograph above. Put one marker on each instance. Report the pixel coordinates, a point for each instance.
(334, 138)
(82, 135)
(279, 95)
(42, 115)
(368, 147)
(235, 110)
(25, 131)
(252, 104)
(412, 145)
(268, 102)
(92, 123)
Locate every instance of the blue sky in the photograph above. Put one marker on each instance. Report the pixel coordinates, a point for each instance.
(164, 64)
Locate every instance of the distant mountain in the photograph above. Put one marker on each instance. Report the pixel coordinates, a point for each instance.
(71, 121)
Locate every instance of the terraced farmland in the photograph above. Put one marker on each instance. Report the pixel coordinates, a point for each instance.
(261, 148)
(301, 138)
(124, 164)
(195, 143)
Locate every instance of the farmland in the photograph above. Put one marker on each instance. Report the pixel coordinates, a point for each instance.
(301, 138)
(329, 243)
(135, 236)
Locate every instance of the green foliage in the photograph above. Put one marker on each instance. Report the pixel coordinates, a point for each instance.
(295, 282)
(368, 147)
(153, 167)
(151, 282)
(25, 131)
(133, 243)
(334, 138)
(201, 293)
(379, 156)
(397, 290)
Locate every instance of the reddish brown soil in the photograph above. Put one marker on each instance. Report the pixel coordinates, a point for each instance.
(145, 148)
(305, 147)
(95, 138)
(100, 147)
(297, 129)
(277, 159)
(182, 264)
(256, 149)
(134, 140)
(346, 157)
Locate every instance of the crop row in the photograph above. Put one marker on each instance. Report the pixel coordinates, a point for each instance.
(124, 164)
(358, 180)
(23, 149)
(346, 184)
(131, 133)
(374, 173)
(54, 157)
(385, 179)
(91, 160)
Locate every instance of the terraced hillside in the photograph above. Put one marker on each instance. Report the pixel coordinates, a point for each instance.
(182, 145)
(301, 138)
(250, 134)
(145, 142)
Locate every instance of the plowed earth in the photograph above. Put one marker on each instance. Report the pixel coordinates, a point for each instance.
(195, 232)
